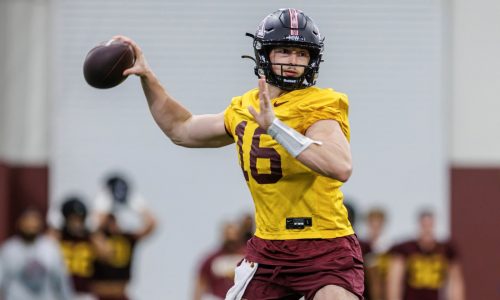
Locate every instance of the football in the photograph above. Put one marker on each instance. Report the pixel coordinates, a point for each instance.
(104, 64)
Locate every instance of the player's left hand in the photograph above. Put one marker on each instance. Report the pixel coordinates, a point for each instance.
(266, 115)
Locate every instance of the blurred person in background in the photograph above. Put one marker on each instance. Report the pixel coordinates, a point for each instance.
(366, 249)
(113, 271)
(377, 259)
(247, 226)
(216, 273)
(425, 268)
(31, 263)
(352, 215)
(375, 226)
(79, 246)
(117, 196)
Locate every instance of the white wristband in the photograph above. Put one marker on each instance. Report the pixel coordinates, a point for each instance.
(289, 138)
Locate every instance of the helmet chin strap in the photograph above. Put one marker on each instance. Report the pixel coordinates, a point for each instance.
(281, 77)
(289, 83)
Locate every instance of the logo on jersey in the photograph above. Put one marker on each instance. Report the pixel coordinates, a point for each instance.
(276, 104)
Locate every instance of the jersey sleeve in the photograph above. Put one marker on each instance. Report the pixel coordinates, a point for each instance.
(327, 105)
(229, 114)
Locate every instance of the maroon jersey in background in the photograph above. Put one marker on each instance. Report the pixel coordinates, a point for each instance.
(366, 250)
(79, 256)
(426, 271)
(217, 270)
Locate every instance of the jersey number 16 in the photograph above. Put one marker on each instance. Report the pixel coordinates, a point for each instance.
(258, 152)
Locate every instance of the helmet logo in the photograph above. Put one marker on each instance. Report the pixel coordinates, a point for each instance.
(262, 28)
(295, 38)
(294, 21)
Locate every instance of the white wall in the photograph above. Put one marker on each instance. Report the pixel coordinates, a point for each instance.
(25, 81)
(476, 83)
(386, 55)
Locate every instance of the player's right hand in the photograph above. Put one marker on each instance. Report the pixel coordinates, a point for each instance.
(140, 67)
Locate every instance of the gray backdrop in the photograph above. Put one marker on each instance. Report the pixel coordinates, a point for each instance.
(386, 55)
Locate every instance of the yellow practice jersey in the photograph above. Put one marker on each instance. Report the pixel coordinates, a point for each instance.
(291, 201)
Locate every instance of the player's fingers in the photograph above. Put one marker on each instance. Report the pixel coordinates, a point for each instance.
(253, 112)
(137, 49)
(266, 89)
(267, 101)
(264, 93)
(128, 72)
(123, 39)
(261, 92)
(133, 70)
(264, 101)
(262, 81)
(260, 85)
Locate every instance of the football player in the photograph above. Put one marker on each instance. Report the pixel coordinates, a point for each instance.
(31, 264)
(425, 268)
(377, 258)
(76, 245)
(113, 272)
(292, 143)
(216, 272)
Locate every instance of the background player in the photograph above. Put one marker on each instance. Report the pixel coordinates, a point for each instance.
(247, 225)
(424, 268)
(366, 248)
(113, 272)
(122, 219)
(31, 264)
(216, 273)
(117, 196)
(292, 142)
(80, 248)
(377, 260)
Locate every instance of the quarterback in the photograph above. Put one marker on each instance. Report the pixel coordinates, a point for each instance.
(292, 143)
